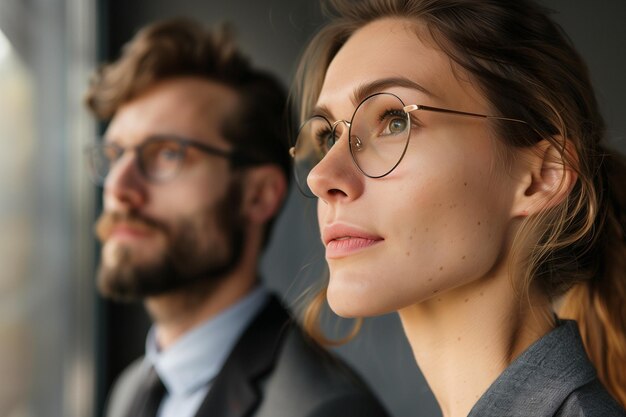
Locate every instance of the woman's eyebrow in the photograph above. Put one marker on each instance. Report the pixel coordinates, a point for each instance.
(365, 90)
(322, 110)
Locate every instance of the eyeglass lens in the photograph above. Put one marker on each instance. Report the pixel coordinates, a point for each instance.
(378, 138)
(158, 159)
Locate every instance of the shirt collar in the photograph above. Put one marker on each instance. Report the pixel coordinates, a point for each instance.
(197, 357)
(541, 378)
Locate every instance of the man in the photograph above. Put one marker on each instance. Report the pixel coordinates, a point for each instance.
(194, 165)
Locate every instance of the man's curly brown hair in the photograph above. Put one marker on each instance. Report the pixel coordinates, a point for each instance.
(180, 47)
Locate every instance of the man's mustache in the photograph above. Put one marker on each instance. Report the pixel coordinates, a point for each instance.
(108, 220)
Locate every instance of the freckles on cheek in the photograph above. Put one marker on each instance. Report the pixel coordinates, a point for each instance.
(409, 247)
(437, 220)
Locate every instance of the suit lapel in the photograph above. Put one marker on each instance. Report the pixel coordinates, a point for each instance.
(234, 392)
(540, 379)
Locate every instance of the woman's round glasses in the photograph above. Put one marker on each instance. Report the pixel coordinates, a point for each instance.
(159, 158)
(378, 136)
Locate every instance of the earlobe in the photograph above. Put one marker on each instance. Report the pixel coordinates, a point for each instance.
(548, 177)
(266, 187)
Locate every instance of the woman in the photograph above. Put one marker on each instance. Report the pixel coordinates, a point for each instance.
(456, 151)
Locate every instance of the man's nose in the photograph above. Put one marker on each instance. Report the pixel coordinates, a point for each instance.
(336, 178)
(124, 186)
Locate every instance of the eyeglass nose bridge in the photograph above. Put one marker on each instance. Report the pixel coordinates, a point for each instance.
(132, 157)
(337, 123)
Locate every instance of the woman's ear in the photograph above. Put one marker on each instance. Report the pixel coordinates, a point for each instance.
(265, 188)
(547, 176)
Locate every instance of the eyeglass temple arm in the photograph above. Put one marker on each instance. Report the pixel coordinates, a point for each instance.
(211, 150)
(236, 157)
(413, 107)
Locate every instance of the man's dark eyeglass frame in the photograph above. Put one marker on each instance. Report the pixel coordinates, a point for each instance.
(236, 157)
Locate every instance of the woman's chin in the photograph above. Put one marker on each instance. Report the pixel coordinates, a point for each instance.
(348, 304)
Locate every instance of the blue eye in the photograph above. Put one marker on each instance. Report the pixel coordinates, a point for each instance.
(397, 125)
(394, 121)
(170, 154)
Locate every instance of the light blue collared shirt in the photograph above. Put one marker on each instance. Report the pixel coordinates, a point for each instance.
(188, 367)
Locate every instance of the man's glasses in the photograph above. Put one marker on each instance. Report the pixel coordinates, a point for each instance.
(378, 136)
(159, 158)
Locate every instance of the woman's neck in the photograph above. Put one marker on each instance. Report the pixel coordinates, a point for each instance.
(462, 340)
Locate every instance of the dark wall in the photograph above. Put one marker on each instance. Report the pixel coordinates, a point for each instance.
(273, 32)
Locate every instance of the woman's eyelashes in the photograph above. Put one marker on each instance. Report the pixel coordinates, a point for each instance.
(393, 121)
(325, 139)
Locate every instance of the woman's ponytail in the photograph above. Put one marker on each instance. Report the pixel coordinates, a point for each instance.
(599, 304)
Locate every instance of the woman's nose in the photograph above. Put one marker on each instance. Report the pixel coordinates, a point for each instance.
(336, 177)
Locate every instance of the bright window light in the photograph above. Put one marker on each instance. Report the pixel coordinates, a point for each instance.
(5, 46)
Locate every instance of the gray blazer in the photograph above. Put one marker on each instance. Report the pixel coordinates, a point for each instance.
(552, 378)
(274, 370)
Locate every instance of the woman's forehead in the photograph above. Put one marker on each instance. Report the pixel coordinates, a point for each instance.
(392, 49)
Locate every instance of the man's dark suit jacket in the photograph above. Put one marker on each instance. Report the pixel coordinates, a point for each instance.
(274, 370)
(552, 378)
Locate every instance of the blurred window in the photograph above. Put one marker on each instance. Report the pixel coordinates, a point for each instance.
(46, 278)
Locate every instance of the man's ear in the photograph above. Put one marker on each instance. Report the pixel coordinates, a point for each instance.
(265, 188)
(547, 177)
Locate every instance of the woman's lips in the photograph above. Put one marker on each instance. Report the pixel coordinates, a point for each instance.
(339, 248)
(342, 240)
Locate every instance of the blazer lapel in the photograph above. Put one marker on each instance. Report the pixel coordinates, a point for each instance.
(541, 378)
(234, 392)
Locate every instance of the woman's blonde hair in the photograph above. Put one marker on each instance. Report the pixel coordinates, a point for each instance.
(527, 69)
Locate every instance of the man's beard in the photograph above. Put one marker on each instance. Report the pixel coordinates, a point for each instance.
(201, 249)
